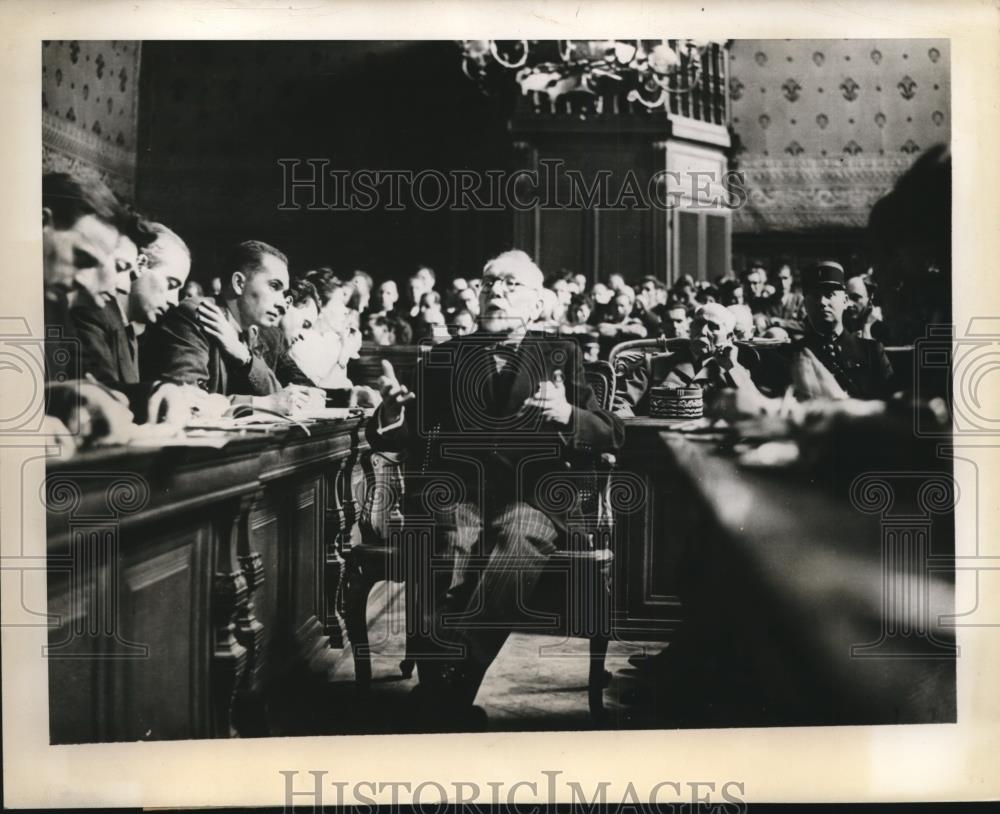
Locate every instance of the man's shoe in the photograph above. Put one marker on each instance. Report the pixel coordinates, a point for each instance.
(431, 710)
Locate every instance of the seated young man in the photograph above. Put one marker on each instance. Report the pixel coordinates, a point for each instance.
(845, 365)
(212, 343)
(711, 361)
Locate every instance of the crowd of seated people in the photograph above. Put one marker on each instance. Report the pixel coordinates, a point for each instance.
(153, 339)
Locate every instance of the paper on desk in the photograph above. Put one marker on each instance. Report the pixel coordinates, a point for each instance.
(234, 424)
(201, 439)
(336, 413)
(157, 436)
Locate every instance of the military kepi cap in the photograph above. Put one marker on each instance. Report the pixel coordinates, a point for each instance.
(827, 274)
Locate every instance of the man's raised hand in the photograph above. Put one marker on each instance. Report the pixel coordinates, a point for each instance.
(394, 394)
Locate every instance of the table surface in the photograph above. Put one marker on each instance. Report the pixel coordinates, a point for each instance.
(816, 572)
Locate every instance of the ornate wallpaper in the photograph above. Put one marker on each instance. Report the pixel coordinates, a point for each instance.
(89, 109)
(825, 127)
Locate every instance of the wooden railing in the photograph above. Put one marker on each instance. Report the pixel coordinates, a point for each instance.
(709, 101)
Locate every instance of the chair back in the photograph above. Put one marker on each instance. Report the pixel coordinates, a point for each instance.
(601, 378)
(624, 352)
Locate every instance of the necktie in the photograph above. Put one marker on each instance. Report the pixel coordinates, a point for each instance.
(504, 357)
(133, 345)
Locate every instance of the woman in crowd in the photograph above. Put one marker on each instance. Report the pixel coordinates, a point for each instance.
(324, 352)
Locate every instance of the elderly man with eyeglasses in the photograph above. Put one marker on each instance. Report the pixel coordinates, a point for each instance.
(499, 411)
(711, 361)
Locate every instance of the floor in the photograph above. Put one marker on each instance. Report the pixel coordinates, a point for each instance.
(536, 683)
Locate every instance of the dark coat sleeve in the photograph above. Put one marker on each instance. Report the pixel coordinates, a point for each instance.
(260, 380)
(288, 372)
(100, 346)
(590, 427)
(883, 374)
(97, 343)
(178, 349)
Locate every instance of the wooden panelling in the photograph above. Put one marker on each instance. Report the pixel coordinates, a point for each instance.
(266, 540)
(305, 543)
(648, 544)
(171, 586)
(188, 603)
(614, 231)
(74, 682)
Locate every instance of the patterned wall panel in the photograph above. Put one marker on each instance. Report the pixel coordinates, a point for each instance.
(90, 109)
(825, 127)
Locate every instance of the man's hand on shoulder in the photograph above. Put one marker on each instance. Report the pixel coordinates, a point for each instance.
(215, 324)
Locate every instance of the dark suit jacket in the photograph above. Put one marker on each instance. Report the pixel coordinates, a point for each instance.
(109, 351)
(464, 422)
(275, 350)
(860, 366)
(176, 349)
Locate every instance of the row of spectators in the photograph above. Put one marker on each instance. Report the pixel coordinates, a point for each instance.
(599, 315)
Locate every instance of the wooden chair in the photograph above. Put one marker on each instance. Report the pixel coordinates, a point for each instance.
(387, 538)
(626, 353)
(374, 559)
(588, 556)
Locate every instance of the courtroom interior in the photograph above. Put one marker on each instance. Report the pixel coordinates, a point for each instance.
(482, 385)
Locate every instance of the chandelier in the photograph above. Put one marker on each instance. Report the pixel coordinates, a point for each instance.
(645, 71)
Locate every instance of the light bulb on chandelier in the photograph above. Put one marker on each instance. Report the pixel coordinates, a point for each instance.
(646, 71)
